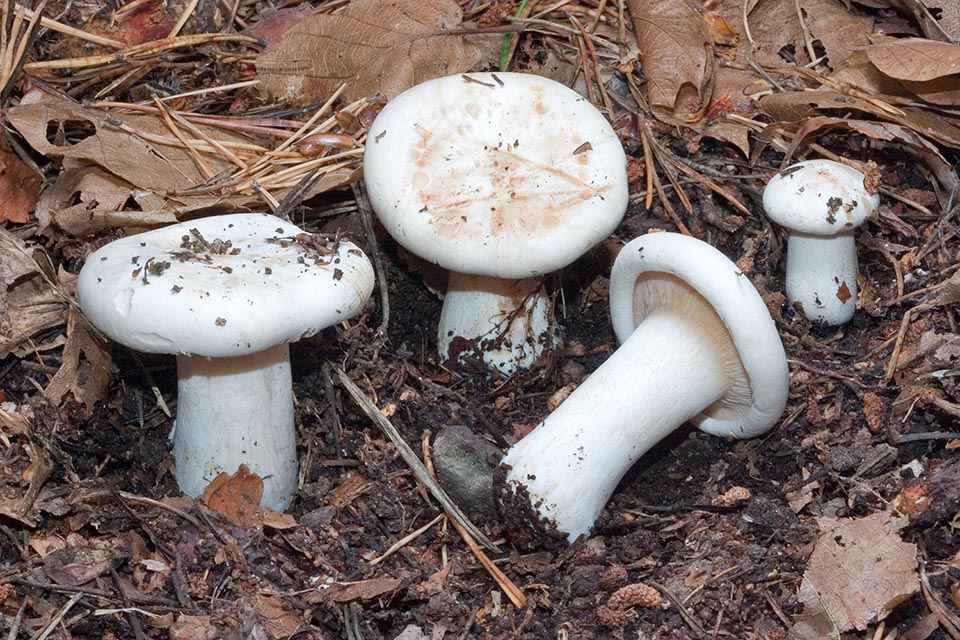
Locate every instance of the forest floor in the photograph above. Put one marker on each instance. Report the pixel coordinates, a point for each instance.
(841, 522)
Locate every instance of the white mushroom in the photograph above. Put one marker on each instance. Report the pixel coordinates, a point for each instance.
(227, 294)
(499, 178)
(820, 202)
(698, 346)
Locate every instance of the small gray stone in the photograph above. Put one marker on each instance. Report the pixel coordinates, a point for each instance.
(465, 462)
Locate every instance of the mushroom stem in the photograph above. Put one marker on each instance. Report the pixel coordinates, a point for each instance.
(234, 411)
(822, 275)
(671, 368)
(507, 322)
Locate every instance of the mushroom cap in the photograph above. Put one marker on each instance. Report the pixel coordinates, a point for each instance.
(758, 395)
(159, 293)
(819, 197)
(507, 175)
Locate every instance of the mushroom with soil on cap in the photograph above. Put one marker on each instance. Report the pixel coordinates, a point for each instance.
(820, 203)
(499, 178)
(698, 346)
(227, 294)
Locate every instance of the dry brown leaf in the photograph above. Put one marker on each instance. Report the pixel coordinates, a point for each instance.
(676, 49)
(29, 302)
(437, 580)
(194, 628)
(942, 91)
(348, 591)
(271, 27)
(19, 187)
(858, 71)
(939, 19)
(927, 69)
(277, 621)
(236, 496)
(840, 31)
(123, 153)
(886, 131)
(732, 94)
(374, 47)
(75, 566)
(915, 58)
(84, 368)
(88, 199)
(277, 520)
(352, 486)
(109, 167)
(774, 26)
(13, 420)
(859, 571)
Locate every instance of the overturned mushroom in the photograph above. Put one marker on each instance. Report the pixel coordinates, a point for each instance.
(227, 294)
(698, 346)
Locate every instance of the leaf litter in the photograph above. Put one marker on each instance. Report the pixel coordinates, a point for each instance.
(122, 119)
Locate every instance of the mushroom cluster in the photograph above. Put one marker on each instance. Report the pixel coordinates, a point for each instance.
(499, 178)
(227, 294)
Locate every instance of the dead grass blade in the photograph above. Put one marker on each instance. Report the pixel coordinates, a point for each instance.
(138, 52)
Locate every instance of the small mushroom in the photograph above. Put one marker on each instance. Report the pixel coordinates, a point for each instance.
(226, 294)
(820, 203)
(697, 345)
(499, 178)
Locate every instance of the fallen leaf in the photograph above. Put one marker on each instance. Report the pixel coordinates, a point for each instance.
(774, 26)
(860, 570)
(373, 47)
(352, 486)
(272, 26)
(348, 591)
(87, 199)
(944, 26)
(437, 581)
(91, 136)
(45, 545)
(84, 368)
(676, 49)
(236, 496)
(277, 621)
(29, 301)
(840, 31)
(193, 628)
(19, 187)
(915, 59)
(75, 566)
(13, 420)
(114, 167)
(277, 520)
(903, 135)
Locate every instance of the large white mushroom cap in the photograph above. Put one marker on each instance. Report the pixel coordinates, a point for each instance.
(505, 175)
(819, 197)
(182, 289)
(758, 394)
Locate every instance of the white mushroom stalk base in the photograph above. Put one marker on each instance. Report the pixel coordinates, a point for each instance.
(233, 411)
(506, 322)
(669, 370)
(822, 276)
